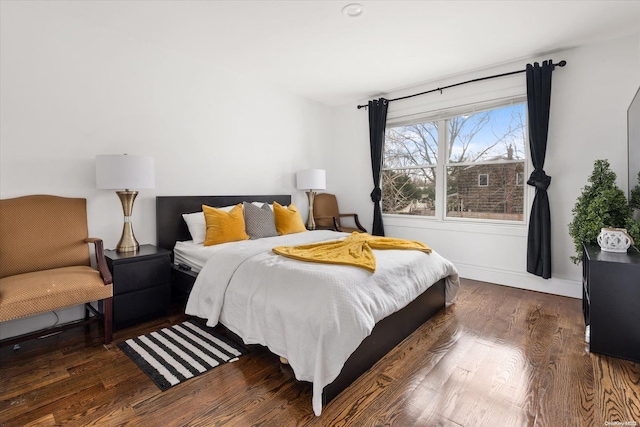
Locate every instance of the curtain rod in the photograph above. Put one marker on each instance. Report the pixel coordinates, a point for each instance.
(440, 89)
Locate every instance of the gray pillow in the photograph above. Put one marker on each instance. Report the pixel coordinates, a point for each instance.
(259, 222)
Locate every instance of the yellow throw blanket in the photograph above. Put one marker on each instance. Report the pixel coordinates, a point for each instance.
(355, 250)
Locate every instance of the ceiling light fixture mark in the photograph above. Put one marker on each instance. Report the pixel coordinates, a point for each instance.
(353, 10)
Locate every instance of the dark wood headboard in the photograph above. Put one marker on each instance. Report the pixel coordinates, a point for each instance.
(170, 226)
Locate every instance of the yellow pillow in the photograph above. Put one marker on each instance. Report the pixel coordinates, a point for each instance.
(288, 220)
(224, 226)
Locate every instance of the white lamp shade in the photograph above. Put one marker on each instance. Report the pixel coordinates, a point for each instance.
(124, 172)
(311, 179)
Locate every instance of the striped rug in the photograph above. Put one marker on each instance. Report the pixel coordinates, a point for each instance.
(173, 355)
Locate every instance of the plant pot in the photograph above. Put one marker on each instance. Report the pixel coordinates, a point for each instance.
(614, 240)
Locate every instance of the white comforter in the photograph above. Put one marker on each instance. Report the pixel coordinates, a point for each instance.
(313, 314)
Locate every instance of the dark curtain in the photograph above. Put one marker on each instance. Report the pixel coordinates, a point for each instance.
(377, 123)
(538, 103)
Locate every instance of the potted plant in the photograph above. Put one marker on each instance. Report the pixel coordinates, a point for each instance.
(633, 224)
(602, 204)
(633, 230)
(634, 197)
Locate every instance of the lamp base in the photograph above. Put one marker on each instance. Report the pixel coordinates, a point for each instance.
(128, 242)
(311, 224)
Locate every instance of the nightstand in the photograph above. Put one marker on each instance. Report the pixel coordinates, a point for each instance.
(141, 284)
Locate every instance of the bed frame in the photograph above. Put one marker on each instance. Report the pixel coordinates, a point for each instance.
(387, 333)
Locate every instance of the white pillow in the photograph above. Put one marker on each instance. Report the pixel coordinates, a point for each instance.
(197, 225)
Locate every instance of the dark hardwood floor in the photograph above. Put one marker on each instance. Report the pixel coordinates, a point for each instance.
(499, 357)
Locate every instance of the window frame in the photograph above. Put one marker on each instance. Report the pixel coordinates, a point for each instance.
(443, 160)
(480, 184)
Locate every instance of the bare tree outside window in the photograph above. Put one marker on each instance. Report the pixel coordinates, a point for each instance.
(488, 143)
(408, 177)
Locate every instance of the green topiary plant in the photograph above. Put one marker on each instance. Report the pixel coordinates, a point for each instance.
(601, 204)
(634, 196)
(633, 230)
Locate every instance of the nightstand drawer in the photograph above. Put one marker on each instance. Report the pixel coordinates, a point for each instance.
(142, 274)
(139, 306)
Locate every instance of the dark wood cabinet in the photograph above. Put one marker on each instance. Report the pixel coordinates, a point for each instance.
(611, 301)
(141, 284)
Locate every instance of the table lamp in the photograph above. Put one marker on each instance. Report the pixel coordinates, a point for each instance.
(123, 172)
(310, 180)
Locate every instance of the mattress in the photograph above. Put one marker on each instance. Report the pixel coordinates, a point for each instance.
(193, 254)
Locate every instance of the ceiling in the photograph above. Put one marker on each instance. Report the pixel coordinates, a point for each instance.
(311, 49)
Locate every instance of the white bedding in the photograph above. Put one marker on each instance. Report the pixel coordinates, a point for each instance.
(313, 314)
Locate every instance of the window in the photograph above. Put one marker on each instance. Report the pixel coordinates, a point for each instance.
(409, 172)
(465, 166)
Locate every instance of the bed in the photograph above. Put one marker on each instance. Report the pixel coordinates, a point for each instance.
(330, 352)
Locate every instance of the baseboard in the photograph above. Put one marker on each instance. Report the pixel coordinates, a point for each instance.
(567, 288)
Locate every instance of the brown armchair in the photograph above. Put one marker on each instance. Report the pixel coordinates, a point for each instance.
(327, 215)
(45, 263)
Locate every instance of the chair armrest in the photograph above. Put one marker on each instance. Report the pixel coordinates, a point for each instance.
(336, 226)
(332, 218)
(355, 218)
(101, 260)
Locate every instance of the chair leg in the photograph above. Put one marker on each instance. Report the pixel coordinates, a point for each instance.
(87, 316)
(108, 320)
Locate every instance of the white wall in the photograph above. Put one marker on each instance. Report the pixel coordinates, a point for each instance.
(590, 97)
(71, 91)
